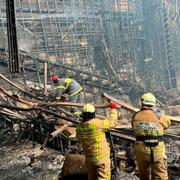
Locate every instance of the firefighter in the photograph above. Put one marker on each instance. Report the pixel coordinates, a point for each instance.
(148, 126)
(70, 87)
(91, 134)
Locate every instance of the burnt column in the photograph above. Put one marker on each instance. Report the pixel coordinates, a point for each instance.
(12, 37)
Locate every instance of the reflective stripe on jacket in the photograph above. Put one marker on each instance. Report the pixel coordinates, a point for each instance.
(93, 139)
(67, 85)
(147, 123)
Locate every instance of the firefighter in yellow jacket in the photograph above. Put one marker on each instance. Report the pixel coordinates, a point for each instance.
(70, 87)
(91, 133)
(149, 127)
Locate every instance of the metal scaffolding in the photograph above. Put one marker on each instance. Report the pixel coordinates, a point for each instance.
(85, 33)
(162, 34)
(114, 38)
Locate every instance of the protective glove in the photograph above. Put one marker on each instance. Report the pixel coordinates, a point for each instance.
(114, 106)
(64, 99)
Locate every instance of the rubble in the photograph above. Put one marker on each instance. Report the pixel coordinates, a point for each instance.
(28, 118)
(22, 161)
(116, 51)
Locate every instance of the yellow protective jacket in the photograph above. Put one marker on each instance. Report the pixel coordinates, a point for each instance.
(91, 135)
(148, 123)
(67, 85)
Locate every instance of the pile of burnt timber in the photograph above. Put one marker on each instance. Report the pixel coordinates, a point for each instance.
(33, 117)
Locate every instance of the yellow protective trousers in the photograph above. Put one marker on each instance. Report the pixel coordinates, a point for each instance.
(149, 170)
(99, 170)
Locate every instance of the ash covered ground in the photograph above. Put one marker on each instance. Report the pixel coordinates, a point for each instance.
(24, 161)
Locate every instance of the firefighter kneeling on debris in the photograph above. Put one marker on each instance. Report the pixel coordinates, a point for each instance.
(91, 133)
(70, 87)
(149, 127)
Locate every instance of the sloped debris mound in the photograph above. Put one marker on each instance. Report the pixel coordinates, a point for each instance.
(25, 162)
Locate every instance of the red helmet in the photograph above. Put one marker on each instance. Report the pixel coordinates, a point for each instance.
(54, 77)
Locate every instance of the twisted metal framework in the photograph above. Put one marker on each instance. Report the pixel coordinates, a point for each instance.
(129, 39)
(90, 34)
(162, 30)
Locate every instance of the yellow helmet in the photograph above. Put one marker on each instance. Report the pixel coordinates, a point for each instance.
(88, 108)
(148, 99)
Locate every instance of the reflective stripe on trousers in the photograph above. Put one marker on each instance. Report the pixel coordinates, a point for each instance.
(99, 170)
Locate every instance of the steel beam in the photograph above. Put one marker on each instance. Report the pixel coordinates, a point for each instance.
(12, 37)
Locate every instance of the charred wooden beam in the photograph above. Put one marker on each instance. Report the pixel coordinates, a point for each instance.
(133, 109)
(58, 131)
(121, 103)
(45, 141)
(104, 105)
(16, 98)
(18, 87)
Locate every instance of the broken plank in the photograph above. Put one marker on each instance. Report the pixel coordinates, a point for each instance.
(133, 109)
(18, 87)
(58, 131)
(121, 103)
